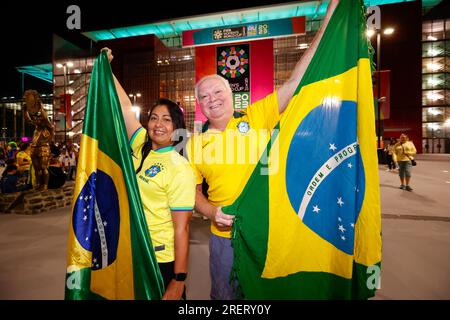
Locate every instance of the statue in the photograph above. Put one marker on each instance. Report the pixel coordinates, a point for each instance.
(35, 114)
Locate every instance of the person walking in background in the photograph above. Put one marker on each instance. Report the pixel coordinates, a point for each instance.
(404, 152)
(390, 155)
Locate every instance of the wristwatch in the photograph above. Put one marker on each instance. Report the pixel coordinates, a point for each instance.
(180, 276)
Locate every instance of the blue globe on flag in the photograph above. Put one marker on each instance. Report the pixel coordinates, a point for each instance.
(327, 190)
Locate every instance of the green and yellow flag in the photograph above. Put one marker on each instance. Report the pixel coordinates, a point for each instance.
(110, 255)
(308, 225)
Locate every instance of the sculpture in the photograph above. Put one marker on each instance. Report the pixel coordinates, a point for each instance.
(35, 114)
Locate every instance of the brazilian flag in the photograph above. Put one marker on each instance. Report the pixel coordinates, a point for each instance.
(110, 254)
(308, 224)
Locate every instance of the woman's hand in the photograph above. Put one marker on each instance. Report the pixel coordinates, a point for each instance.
(174, 290)
(110, 56)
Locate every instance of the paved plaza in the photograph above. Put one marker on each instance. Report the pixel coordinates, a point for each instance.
(416, 243)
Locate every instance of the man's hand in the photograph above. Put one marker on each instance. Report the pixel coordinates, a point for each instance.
(222, 219)
(110, 56)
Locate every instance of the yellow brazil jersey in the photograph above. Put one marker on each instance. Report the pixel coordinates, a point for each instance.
(23, 166)
(166, 183)
(404, 152)
(226, 159)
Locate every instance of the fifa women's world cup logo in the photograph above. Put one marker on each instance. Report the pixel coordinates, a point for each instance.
(233, 63)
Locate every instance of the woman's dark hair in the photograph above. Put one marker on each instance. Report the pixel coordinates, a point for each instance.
(177, 120)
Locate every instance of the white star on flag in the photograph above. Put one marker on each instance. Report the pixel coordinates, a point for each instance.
(349, 165)
(85, 218)
(339, 219)
(343, 238)
(352, 225)
(94, 260)
(105, 223)
(316, 209)
(341, 228)
(339, 201)
(332, 147)
(85, 198)
(87, 238)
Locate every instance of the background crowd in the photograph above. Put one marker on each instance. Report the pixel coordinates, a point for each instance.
(16, 168)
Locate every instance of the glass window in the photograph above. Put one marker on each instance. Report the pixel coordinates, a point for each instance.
(435, 97)
(433, 30)
(433, 65)
(435, 81)
(433, 49)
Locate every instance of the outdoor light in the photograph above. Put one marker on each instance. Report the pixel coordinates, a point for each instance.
(433, 52)
(138, 95)
(137, 111)
(431, 38)
(303, 46)
(434, 112)
(434, 66)
(388, 31)
(447, 122)
(433, 126)
(59, 65)
(77, 71)
(69, 64)
(370, 33)
(434, 96)
(433, 82)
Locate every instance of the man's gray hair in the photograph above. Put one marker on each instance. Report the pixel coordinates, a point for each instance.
(211, 76)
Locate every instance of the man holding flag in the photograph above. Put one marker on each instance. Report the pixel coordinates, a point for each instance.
(306, 217)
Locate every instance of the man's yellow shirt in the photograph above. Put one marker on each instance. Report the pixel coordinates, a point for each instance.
(226, 159)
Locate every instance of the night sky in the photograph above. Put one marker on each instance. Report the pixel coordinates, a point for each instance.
(27, 28)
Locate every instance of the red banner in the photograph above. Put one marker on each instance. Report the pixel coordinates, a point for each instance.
(261, 69)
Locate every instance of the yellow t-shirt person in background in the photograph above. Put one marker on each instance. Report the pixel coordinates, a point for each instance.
(23, 158)
(404, 152)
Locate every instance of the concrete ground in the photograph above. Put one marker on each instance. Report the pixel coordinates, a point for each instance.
(416, 243)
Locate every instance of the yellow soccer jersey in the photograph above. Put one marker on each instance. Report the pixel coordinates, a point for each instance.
(166, 183)
(21, 155)
(226, 159)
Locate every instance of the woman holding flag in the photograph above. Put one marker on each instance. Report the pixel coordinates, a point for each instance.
(166, 184)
